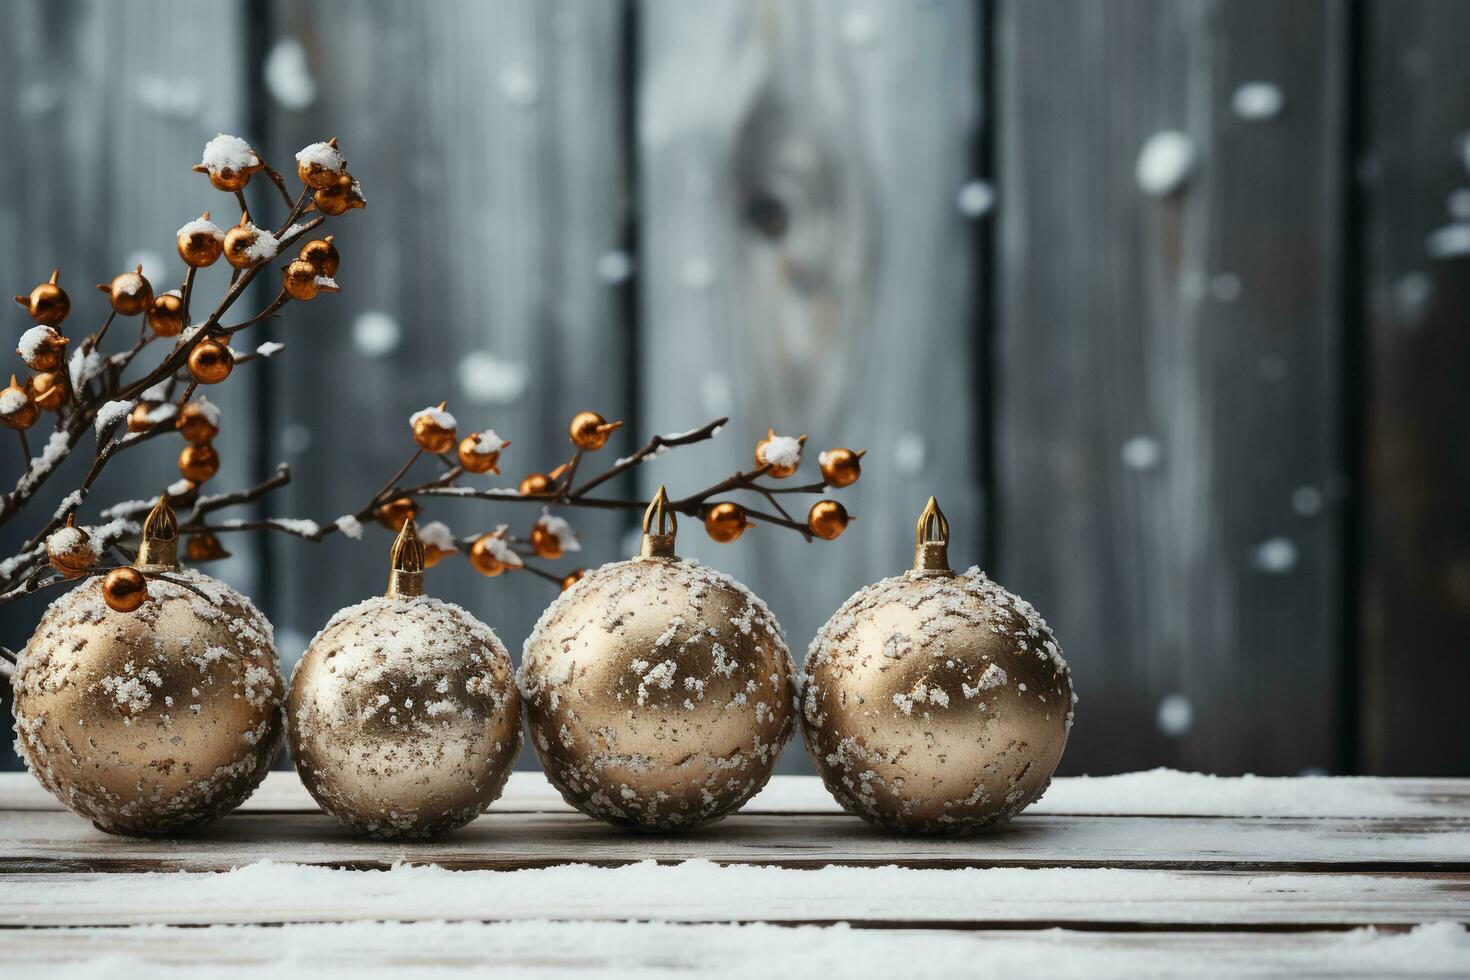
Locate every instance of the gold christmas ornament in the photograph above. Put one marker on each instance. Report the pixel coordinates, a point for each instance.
(590, 431)
(229, 161)
(48, 303)
(480, 452)
(153, 721)
(211, 362)
(935, 702)
(198, 421)
(129, 293)
(204, 547)
(246, 245)
(166, 318)
(841, 467)
(200, 242)
(780, 454)
(42, 348)
(827, 519)
(725, 522)
(339, 197)
(396, 512)
(70, 550)
(140, 419)
(572, 578)
(49, 389)
(198, 463)
(303, 281)
(320, 165)
(534, 485)
(433, 429)
(322, 255)
(404, 715)
(18, 408)
(658, 692)
(491, 554)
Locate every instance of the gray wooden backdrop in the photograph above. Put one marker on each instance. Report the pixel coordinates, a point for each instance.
(1210, 418)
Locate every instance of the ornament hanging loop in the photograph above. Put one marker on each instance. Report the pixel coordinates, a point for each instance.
(658, 542)
(159, 551)
(407, 577)
(931, 541)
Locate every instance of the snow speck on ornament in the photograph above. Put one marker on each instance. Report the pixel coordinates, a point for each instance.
(487, 442)
(1165, 163)
(716, 393)
(437, 534)
(697, 273)
(783, 451)
(1141, 453)
(288, 76)
(1257, 101)
(486, 378)
(518, 86)
(975, 199)
(1275, 556)
(323, 155)
(614, 267)
(438, 416)
(375, 333)
(909, 453)
(226, 152)
(1175, 715)
(559, 528)
(295, 438)
(1306, 500)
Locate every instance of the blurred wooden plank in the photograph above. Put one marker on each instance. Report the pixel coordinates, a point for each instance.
(804, 266)
(1168, 402)
(629, 948)
(701, 892)
(106, 107)
(51, 842)
(487, 141)
(1416, 609)
(1134, 794)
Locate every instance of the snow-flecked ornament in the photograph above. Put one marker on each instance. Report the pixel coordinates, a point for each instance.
(658, 692)
(403, 716)
(153, 721)
(935, 702)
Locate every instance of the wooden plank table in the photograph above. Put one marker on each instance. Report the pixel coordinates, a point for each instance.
(1158, 873)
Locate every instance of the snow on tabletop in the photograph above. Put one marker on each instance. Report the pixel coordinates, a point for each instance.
(639, 949)
(202, 226)
(110, 414)
(269, 347)
(783, 451)
(560, 529)
(487, 442)
(230, 153)
(437, 533)
(322, 155)
(438, 416)
(32, 340)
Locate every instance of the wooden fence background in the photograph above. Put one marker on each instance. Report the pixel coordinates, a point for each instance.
(1218, 435)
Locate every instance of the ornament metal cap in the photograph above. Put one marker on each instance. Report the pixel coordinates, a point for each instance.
(658, 543)
(407, 576)
(931, 541)
(159, 551)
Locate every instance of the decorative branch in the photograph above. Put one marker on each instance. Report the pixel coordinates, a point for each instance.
(90, 389)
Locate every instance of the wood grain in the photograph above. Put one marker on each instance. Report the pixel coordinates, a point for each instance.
(577, 948)
(1415, 614)
(805, 267)
(1196, 335)
(39, 841)
(487, 140)
(968, 898)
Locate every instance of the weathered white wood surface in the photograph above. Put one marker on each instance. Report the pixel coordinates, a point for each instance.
(1157, 794)
(697, 891)
(627, 949)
